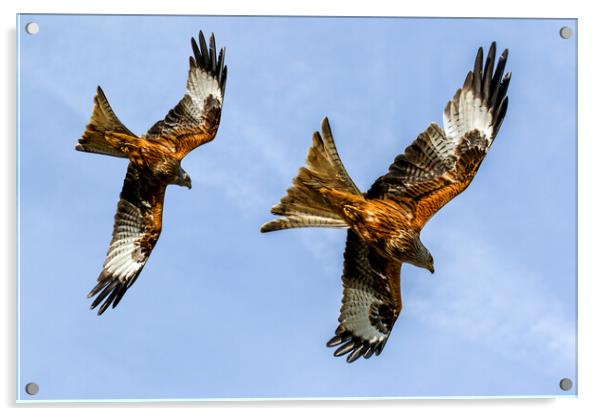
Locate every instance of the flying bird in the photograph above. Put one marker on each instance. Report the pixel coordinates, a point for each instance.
(384, 224)
(154, 163)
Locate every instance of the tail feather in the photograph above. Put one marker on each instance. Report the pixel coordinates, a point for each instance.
(304, 205)
(103, 121)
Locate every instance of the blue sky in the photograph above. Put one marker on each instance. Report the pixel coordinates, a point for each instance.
(221, 311)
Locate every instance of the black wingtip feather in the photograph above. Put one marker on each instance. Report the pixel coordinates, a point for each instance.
(357, 353)
(379, 349)
(334, 341)
(344, 349)
(501, 96)
(99, 286)
(220, 65)
(208, 59)
(109, 300)
(478, 62)
(107, 297)
(353, 346)
(477, 77)
(368, 353)
(212, 52)
(120, 292)
(500, 115)
(468, 80)
(204, 53)
(490, 83)
(492, 51)
(224, 78)
(107, 288)
(488, 72)
(198, 59)
(108, 292)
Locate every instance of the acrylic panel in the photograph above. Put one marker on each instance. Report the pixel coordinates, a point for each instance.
(222, 311)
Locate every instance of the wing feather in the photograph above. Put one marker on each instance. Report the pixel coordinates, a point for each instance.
(135, 232)
(195, 119)
(441, 163)
(371, 301)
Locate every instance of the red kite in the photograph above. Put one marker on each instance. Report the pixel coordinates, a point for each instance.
(154, 163)
(385, 223)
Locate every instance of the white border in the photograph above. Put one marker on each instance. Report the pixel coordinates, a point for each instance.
(590, 347)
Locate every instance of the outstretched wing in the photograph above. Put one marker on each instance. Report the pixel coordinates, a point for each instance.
(441, 163)
(195, 119)
(135, 233)
(371, 301)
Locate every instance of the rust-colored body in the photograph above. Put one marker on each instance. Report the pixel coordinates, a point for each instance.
(379, 222)
(154, 164)
(385, 222)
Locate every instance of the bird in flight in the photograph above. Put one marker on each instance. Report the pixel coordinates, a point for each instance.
(384, 224)
(154, 163)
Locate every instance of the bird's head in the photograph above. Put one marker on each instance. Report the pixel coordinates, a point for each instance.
(423, 257)
(184, 179)
(431, 264)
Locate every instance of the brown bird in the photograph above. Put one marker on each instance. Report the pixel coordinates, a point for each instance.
(385, 223)
(154, 163)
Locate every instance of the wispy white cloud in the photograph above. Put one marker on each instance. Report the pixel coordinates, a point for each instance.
(485, 296)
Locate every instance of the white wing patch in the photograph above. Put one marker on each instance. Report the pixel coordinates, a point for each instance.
(356, 313)
(135, 232)
(195, 119)
(464, 113)
(124, 257)
(369, 310)
(200, 86)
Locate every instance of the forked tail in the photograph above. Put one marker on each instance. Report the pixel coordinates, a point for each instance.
(304, 205)
(102, 123)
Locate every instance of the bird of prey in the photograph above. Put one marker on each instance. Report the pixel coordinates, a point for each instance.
(384, 224)
(154, 163)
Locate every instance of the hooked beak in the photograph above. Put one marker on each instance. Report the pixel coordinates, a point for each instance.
(187, 182)
(431, 269)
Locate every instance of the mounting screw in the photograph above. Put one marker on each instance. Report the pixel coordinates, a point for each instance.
(32, 389)
(566, 384)
(32, 28)
(566, 32)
